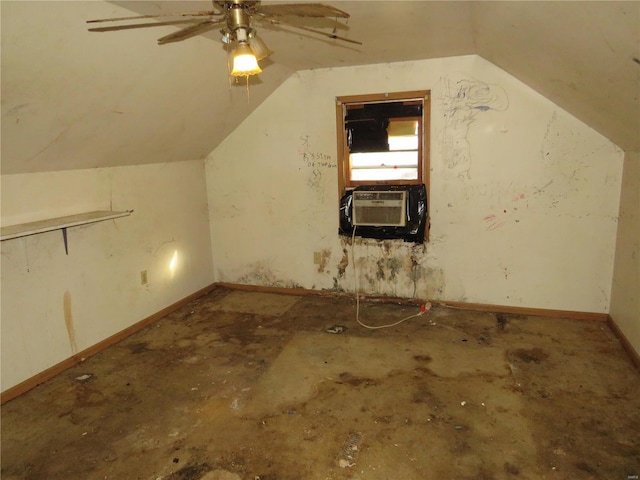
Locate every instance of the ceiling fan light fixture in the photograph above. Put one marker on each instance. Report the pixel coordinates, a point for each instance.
(235, 18)
(244, 61)
(258, 47)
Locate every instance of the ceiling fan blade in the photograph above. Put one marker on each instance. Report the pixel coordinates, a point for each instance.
(139, 25)
(191, 31)
(300, 10)
(208, 13)
(313, 30)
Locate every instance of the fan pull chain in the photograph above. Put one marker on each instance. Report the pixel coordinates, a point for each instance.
(229, 69)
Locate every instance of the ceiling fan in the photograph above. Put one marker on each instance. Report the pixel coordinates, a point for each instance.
(234, 18)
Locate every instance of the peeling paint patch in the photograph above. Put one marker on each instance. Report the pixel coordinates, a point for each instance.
(344, 263)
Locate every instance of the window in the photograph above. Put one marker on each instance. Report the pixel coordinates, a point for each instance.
(383, 139)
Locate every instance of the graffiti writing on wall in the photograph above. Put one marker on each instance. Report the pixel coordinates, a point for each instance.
(462, 101)
(318, 163)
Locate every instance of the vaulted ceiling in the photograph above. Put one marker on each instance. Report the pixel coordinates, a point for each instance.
(75, 99)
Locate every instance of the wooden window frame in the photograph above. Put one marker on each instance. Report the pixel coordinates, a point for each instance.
(344, 181)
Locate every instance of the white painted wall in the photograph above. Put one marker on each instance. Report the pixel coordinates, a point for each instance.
(99, 281)
(625, 297)
(524, 197)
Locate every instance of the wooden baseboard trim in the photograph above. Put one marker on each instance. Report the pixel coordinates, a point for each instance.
(280, 290)
(634, 356)
(51, 372)
(537, 312)
(323, 293)
(480, 307)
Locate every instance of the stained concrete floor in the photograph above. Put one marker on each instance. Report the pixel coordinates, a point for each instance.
(247, 385)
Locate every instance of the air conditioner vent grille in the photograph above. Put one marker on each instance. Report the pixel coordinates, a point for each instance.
(379, 208)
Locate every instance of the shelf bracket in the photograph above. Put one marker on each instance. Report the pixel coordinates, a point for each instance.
(66, 242)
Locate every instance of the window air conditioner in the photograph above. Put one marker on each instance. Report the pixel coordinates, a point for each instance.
(377, 208)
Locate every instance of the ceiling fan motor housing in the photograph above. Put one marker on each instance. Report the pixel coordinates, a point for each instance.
(238, 18)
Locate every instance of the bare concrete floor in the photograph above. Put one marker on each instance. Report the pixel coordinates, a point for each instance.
(249, 386)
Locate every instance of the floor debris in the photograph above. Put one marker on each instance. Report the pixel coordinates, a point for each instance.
(336, 329)
(350, 450)
(211, 396)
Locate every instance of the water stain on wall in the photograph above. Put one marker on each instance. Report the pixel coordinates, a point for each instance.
(68, 320)
(416, 272)
(388, 268)
(398, 269)
(262, 274)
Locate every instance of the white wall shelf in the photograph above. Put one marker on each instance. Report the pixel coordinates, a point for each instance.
(59, 223)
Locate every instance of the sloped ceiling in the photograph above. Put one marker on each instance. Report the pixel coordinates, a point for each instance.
(75, 99)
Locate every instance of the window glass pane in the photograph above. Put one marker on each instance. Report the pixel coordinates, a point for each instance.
(403, 143)
(384, 159)
(403, 134)
(364, 174)
(402, 128)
